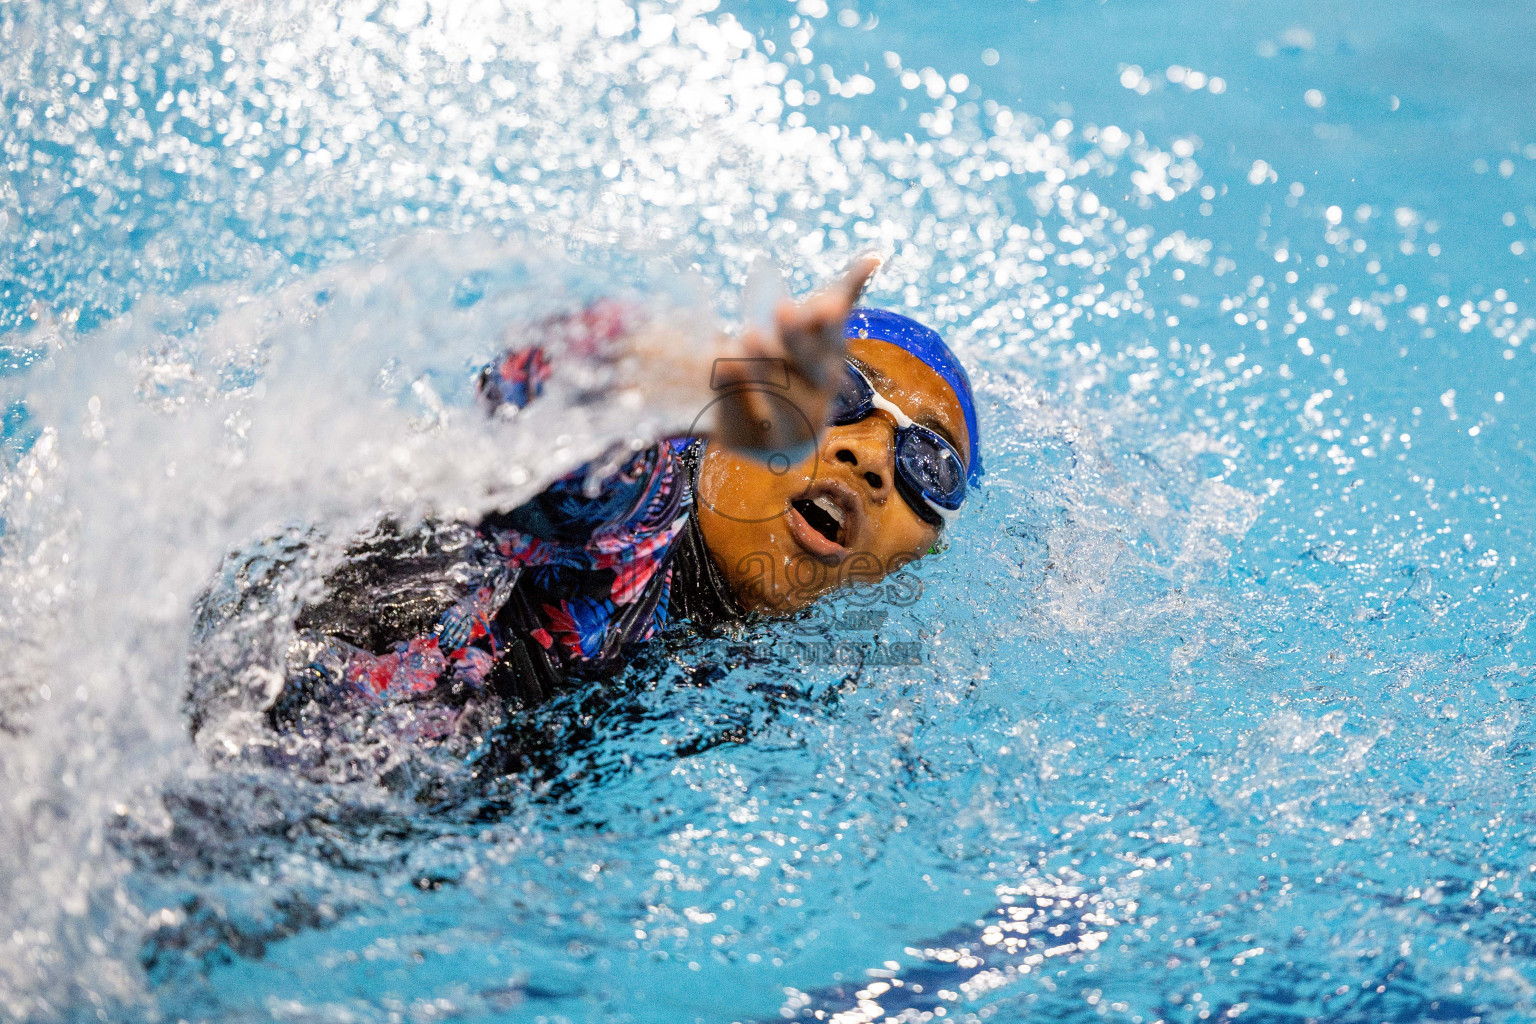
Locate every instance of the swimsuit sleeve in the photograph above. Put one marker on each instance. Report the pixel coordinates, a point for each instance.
(575, 509)
(596, 564)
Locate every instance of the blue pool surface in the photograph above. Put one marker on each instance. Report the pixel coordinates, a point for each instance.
(1222, 705)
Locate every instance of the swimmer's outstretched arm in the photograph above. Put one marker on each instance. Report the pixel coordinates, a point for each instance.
(805, 343)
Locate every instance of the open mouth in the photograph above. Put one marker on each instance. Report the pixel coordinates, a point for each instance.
(823, 515)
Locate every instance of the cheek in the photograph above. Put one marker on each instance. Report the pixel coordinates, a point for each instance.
(901, 534)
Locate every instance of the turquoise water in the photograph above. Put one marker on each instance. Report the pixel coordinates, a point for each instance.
(1222, 705)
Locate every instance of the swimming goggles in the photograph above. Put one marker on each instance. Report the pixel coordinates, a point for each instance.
(930, 475)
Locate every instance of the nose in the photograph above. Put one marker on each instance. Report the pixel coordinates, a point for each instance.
(867, 448)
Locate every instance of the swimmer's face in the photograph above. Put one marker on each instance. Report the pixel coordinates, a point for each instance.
(778, 558)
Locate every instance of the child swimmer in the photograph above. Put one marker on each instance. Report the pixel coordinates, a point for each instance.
(434, 627)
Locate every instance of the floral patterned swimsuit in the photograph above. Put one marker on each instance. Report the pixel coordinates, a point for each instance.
(564, 586)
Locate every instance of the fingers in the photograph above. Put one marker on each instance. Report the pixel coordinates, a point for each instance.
(842, 295)
(834, 301)
(812, 331)
(806, 354)
(809, 334)
(856, 278)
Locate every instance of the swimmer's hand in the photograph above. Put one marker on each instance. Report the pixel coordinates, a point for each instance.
(777, 387)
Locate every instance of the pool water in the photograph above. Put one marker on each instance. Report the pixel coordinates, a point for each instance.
(1219, 709)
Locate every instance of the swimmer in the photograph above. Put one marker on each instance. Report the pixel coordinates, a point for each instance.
(703, 531)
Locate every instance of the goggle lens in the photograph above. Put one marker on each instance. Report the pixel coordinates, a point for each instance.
(932, 469)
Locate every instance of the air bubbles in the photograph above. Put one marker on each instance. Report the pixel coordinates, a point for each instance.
(1261, 173)
(1314, 98)
(655, 28)
(614, 19)
(989, 56)
(932, 82)
(1177, 74)
(1298, 37)
(1114, 141)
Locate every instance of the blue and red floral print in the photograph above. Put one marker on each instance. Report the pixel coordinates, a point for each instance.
(561, 586)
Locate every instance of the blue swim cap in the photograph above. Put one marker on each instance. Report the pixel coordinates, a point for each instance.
(925, 343)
